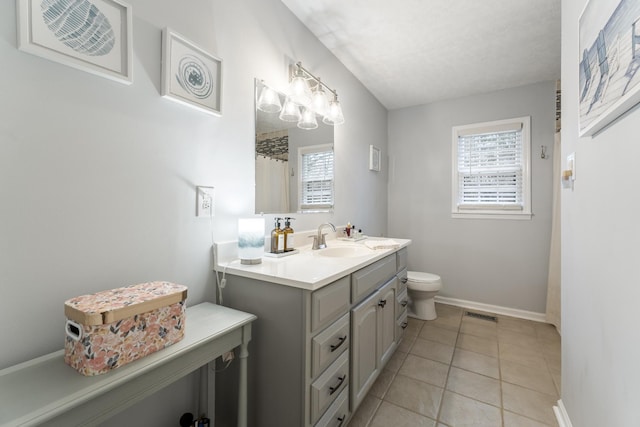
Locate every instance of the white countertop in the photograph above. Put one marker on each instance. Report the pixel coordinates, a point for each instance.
(308, 269)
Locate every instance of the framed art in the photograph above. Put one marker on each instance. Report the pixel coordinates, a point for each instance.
(609, 43)
(374, 158)
(89, 35)
(190, 75)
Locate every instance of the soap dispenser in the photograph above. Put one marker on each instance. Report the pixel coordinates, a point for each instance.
(276, 236)
(289, 241)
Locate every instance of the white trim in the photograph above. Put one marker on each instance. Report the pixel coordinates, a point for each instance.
(497, 309)
(561, 415)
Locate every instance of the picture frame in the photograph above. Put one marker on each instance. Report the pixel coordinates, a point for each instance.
(91, 35)
(190, 75)
(609, 46)
(374, 158)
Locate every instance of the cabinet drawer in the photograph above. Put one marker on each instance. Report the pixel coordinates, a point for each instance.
(337, 414)
(401, 325)
(329, 344)
(366, 280)
(329, 303)
(401, 258)
(402, 279)
(402, 301)
(328, 386)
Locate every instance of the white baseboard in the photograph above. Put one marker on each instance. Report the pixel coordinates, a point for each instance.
(505, 311)
(561, 415)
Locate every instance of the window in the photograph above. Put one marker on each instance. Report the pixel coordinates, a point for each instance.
(315, 164)
(491, 172)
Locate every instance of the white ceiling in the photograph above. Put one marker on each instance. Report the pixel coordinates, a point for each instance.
(412, 52)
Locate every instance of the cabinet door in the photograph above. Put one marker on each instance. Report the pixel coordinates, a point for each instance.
(386, 321)
(364, 366)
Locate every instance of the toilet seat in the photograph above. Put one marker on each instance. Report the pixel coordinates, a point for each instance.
(426, 282)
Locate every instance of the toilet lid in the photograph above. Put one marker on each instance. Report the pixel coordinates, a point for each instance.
(420, 277)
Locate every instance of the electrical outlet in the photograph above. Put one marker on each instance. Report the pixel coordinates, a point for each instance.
(205, 201)
(228, 356)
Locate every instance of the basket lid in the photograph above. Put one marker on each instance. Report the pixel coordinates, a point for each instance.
(117, 304)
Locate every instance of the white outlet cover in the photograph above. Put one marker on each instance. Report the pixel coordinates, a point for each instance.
(205, 201)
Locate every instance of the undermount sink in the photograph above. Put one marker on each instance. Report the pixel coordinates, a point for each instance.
(351, 251)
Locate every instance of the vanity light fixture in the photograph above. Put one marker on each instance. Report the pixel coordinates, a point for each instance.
(308, 119)
(313, 102)
(290, 111)
(269, 100)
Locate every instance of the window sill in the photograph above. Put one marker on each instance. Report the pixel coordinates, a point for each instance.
(492, 215)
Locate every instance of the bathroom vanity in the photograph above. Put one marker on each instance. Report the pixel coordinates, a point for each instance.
(328, 322)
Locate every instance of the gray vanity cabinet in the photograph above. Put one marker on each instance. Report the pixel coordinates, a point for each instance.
(373, 324)
(315, 354)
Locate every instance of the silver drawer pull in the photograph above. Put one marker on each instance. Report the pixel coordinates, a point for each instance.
(404, 303)
(404, 280)
(334, 347)
(334, 389)
(382, 302)
(341, 419)
(404, 325)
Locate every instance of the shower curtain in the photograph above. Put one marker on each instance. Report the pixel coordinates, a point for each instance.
(553, 281)
(272, 185)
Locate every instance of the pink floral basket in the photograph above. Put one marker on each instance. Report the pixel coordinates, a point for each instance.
(109, 329)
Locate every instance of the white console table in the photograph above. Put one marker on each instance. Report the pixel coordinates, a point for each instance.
(45, 391)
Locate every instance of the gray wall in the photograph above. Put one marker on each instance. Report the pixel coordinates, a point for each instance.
(600, 235)
(97, 179)
(498, 262)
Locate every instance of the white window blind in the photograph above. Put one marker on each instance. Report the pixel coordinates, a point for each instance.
(316, 177)
(491, 167)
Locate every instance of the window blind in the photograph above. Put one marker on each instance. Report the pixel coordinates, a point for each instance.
(490, 169)
(316, 179)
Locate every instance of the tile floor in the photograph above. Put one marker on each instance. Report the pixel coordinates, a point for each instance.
(462, 371)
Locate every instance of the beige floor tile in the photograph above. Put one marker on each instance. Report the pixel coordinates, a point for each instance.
(380, 387)
(479, 328)
(460, 411)
(529, 403)
(526, 327)
(396, 361)
(441, 335)
(484, 345)
(475, 386)
(406, 343)
(413, 327)
(393, 415)
(515, 420)
(547, 332)
(433, 350)
(426, 370)
(528, 377)
(476, 362)
(446, 322)
(365, 411)
(449, 309)
(415, 395)
(522, 356)
(507, 336)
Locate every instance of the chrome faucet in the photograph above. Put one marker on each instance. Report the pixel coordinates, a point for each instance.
(319, 240)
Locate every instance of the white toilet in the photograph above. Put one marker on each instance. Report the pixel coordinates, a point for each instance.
(421, 288)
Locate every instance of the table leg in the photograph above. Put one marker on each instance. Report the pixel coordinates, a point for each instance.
(242, 389)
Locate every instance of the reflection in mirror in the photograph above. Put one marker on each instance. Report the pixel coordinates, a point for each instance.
(282, 184)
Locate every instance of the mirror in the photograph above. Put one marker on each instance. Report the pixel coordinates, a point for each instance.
(278, 145)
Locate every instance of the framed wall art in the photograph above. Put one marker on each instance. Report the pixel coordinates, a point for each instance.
(190, 75)
(609, 39)
(374, 158)
(90, 35)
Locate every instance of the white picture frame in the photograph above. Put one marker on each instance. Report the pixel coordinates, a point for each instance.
(190, 75)
(609, 51)
(374, 158)
(100, 42)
